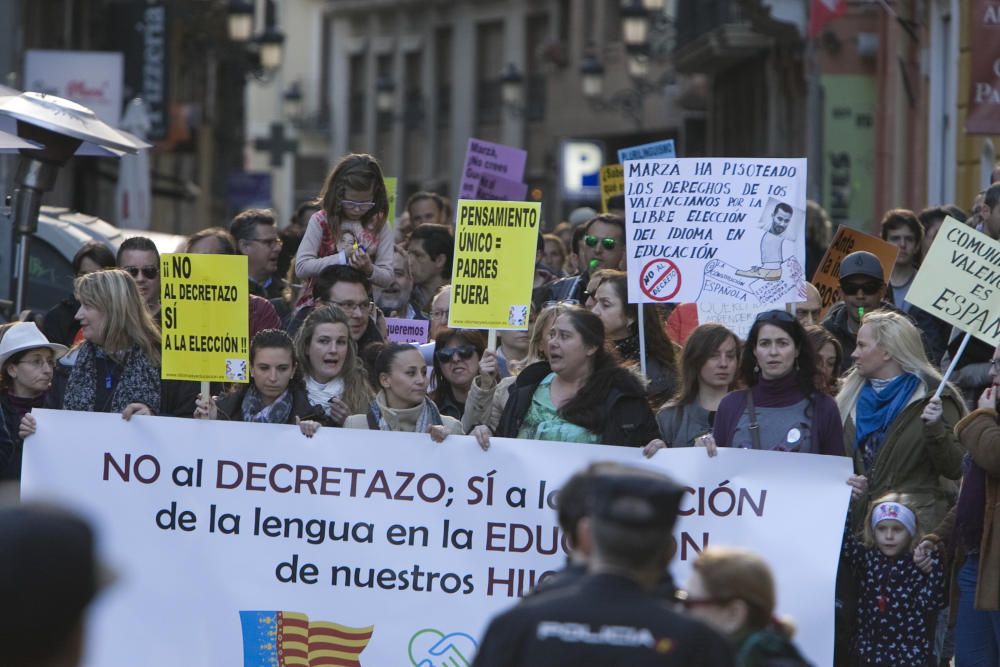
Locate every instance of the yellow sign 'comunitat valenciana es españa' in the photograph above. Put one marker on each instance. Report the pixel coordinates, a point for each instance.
(493, 273)
(205, 312)
(959, 281)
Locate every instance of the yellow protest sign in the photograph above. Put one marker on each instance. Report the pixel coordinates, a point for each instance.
(846, 241)
(495, 246)
(959, 281)
(612, 183)
(205, 312)
(391, 184)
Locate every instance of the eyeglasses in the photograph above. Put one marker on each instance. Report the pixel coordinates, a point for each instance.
(270, 243)
(995, 364)
(359, 206)
(439, 315)
(351, 306)
(608, 242)
(38, 362)
(869, 287)
(775, 316)
(148, 272)
(564, 302)
(446, 354)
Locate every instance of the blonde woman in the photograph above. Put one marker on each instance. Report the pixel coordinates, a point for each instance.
(335, 379)
(117, 367)
(487, 398)
(901, 437)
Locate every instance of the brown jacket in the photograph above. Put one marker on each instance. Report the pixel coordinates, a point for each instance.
(979, 433)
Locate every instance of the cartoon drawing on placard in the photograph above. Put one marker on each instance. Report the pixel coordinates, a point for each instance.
(776, 279)
(776, 231)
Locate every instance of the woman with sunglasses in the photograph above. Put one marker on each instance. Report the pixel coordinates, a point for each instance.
(732, 590)
(581, 394)
(354, 202)
(117, 367)
(784, 407)
(902, 438)
(401, 403)
(335, 377)
(457, 353)
(621, 326)
(275, 393)
(27, 364)
(709, 363)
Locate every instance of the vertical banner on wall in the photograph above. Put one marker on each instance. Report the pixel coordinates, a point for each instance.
(848, 158)
(984, 95)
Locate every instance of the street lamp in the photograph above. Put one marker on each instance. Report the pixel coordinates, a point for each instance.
(592, 76)
(512, 86)
(271, 41)
(385, 91)
(635, 24)
(292, 101)
(240, 20)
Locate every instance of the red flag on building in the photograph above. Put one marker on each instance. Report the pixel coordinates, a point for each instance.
(822, 12)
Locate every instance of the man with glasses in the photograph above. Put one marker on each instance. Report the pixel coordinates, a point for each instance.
(257, 237)
(140, 258)
(351, 291)
(601, 247)
(862, 289)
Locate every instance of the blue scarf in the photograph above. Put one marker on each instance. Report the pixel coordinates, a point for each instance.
(877, 410)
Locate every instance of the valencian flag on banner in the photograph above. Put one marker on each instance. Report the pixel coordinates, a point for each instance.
(286, 639)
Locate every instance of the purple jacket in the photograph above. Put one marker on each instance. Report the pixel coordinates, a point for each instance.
(827, 428)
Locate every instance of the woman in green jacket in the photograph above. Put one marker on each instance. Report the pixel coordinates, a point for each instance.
(901, 437)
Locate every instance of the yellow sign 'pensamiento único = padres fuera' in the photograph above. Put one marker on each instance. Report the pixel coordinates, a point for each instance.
(494, 269)
(205, 313)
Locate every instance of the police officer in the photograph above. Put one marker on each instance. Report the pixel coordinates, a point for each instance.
(611, 616)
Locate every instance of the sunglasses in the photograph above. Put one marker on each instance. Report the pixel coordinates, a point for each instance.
(775, 316)
(608, 242)
(148, 272)
(356, 205)
(446, 354)
(869, 287)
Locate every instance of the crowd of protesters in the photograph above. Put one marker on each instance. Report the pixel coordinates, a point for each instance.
(860, 382)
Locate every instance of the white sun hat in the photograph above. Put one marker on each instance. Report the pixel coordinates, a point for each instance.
(26, 336)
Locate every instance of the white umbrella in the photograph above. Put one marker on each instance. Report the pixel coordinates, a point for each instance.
(132, 194)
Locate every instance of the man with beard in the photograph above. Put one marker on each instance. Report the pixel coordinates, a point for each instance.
(395, 300)
(771, 253)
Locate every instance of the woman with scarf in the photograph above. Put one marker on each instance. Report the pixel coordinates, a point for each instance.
(274, 395)
(117, 367)
(27, 363)
(620, 320)
(402, 403)
(784, 407)
(901, 437)
(336, 380)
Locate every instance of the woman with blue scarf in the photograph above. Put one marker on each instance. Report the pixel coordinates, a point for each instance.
(901, 437)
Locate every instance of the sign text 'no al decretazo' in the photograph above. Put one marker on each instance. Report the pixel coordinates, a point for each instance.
(205, 317)
(722, 230)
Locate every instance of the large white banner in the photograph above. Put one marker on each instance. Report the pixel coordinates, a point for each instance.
(233, 541)
(716, 230)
